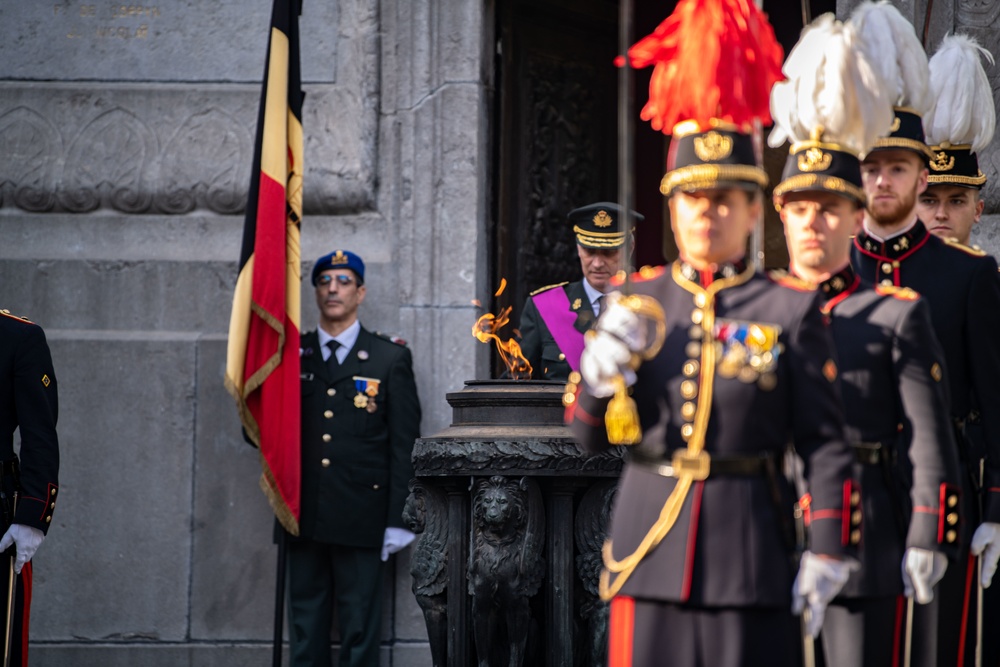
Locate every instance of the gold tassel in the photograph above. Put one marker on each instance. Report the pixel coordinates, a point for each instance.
(622, 417)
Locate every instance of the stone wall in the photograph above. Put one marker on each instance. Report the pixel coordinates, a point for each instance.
(125, 146)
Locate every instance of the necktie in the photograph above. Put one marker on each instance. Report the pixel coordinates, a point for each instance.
(600, 304)
(332, 363)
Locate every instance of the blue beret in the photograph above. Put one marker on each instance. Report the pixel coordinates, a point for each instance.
(339, 259)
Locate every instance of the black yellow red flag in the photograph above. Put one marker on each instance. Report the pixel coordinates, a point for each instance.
(262, 361)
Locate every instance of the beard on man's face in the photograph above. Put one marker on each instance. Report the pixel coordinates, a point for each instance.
(890, 212)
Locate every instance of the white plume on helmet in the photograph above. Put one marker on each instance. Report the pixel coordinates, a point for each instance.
(894, 49)
(832, 93)
(964, 111)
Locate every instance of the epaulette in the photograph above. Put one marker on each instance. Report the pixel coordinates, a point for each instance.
(902, 293)
(548, 287)
(644, 274)
(967, 249)
(7, 313)
(392, 339)
(785, 279)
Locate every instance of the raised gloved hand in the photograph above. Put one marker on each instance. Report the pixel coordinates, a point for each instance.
(26, 539)
(622, 322)
(394, 540)
(922, 570)
(817, 583)
(608, 350)
(986, 541)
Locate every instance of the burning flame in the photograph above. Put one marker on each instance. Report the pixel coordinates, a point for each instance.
(485, 329)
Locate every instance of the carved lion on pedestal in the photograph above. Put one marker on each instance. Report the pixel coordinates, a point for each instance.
(506, 566)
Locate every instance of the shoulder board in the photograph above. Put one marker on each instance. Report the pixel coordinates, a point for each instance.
(548, 287)
(392, 339)
(783, 278)
(968, 250)
(644, 274)
(7, 313)
(902, 293)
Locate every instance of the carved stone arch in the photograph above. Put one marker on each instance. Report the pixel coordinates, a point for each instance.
(109, 164)
(977, 13)
(30, 146)
(204, 164)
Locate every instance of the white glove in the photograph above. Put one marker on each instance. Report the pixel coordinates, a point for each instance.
(817, 583)
(922, 570)
(987, 537)
(27, 540)
(622, 323)
(394, 540)
(603, 359)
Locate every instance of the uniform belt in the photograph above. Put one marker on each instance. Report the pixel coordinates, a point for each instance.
(870, 453)
(705, 465)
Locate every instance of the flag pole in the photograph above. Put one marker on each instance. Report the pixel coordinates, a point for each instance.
(625, 138)
(279, 599)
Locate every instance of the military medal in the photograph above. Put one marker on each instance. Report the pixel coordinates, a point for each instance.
(367, 389)
(748, 351)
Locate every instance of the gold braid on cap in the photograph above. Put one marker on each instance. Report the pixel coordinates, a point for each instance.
(708, 176)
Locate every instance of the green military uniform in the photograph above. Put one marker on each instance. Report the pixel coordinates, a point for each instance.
(539, 347)
(359, 423)
(553, 323)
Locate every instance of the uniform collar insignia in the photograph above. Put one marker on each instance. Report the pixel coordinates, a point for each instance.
(838, 283)
(897, 246)
(705, 278)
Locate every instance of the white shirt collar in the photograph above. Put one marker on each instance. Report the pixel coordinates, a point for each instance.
(592, 293)
(347, 338)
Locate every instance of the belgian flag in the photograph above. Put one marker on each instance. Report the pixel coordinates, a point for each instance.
(262, 361)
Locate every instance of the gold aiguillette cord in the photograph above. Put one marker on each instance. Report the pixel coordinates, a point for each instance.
(624, 568)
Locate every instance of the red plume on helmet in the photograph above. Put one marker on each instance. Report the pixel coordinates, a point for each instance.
(713, 60)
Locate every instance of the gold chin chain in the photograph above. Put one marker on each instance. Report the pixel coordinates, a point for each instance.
(704, 299)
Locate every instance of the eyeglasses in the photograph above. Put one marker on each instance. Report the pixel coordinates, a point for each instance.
(342, 280)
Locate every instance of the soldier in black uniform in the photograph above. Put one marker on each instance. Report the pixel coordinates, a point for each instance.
(891, 364)
(701, 564)
(960, 286)
(960, 124)
(28, 489)
(360, 417)
(555, 318)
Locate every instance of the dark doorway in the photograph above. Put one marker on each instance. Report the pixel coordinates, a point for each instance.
(556, 134)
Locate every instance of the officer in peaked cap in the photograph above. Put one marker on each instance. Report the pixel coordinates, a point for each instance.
(746, 363)
(555, 318)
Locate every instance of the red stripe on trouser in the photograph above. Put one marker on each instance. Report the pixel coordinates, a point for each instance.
(622, 629)
(969, 569)
(897, 630)
(22, 611)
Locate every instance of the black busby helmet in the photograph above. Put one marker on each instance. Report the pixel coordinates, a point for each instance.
(833, 107)
(963, 118)
(600, 225)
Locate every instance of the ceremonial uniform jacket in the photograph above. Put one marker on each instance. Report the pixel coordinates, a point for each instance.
(960, 285)
(896, 410)
(356, 452)
(28, 399)
(539, 346)
(774, 383)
